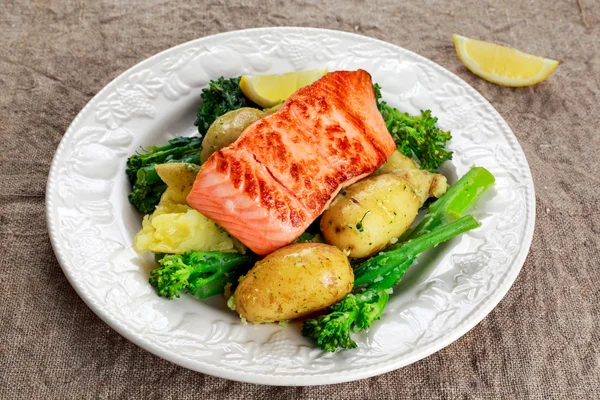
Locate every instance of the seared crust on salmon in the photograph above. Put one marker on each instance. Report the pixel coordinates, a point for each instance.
(280, 175)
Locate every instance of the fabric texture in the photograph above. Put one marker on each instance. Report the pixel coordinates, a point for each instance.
(541, 342)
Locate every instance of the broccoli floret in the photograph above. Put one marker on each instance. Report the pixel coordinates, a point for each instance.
(147, 185)
(353, 313)
(220, 97)
(147, 190)
(378, 275)
(416, 135)
(200, 273)
(331, 331)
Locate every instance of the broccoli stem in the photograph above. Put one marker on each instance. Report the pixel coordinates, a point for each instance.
(358, 311)
(454, 203)
(394, 277)
(382, 264)
(148, 175)
(176, 149)
(141, 170)
(217, 285)
(192, 157)
(200, 273)
(381, 273)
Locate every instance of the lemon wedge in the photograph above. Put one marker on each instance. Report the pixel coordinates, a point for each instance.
(270, 90)
(502, 65)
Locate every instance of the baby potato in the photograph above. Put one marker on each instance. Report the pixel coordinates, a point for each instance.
(179, 178)
(366, 216)
(426, 184)
(396, 161)
(293, 281)
(227, 129)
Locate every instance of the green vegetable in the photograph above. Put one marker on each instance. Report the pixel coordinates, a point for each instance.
(377, 275)
(454, 203)
(353, 313)
(220, 97)
(382, 264)
(308, 237)
(147, 185)
(199, 273)
(175, 150)
(382, 272)
(416, 135)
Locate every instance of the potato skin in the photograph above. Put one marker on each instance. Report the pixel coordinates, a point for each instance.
(293, 281)
(179, 178)
(396, 161)
(364, 217)
(426, 184)
(227, 129)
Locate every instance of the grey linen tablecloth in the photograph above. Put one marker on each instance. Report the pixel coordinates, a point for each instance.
(541, 342)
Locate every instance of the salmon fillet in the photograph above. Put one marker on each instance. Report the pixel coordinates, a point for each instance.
(281, 174)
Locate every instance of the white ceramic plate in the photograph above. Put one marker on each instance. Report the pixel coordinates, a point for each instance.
(448, 292)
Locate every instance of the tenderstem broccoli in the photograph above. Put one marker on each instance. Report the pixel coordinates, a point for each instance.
(199, 273)
(358, 311)
(454, 203)
(416, 136)
(376, 277)
(375, 268)
(147, 185)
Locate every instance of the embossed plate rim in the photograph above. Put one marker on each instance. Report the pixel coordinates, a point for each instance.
(300, 379)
